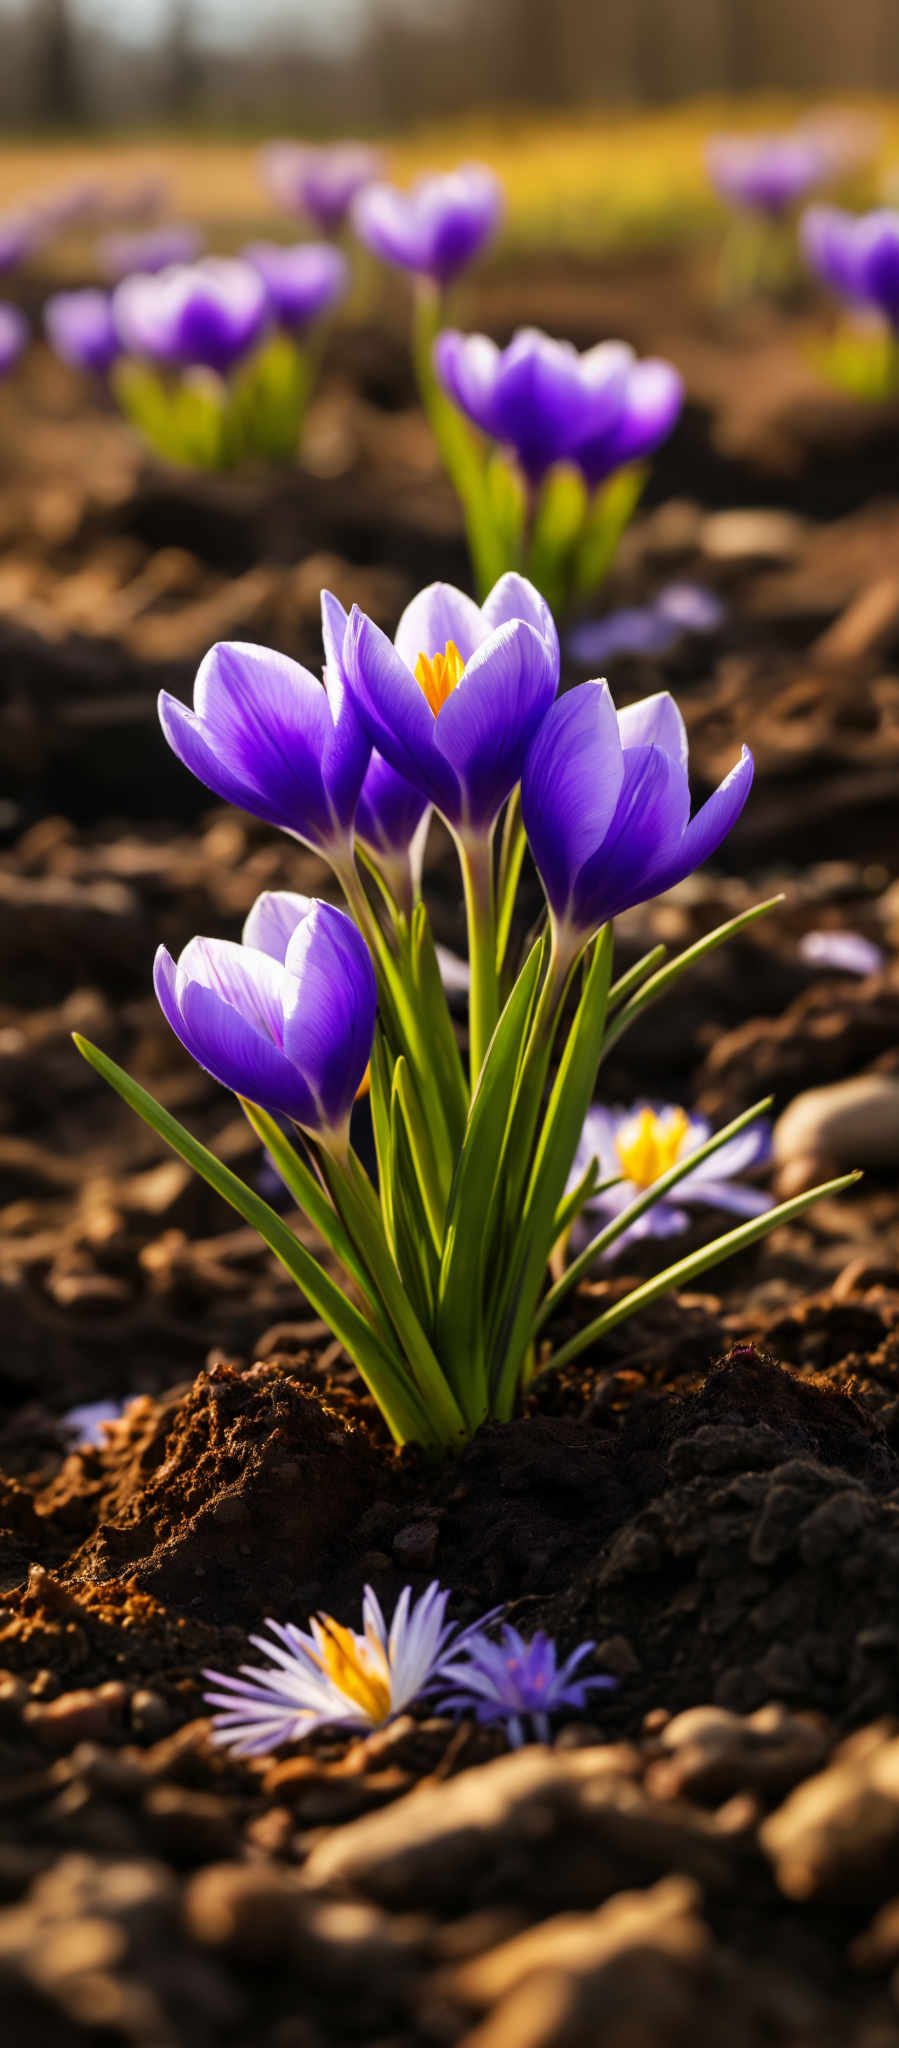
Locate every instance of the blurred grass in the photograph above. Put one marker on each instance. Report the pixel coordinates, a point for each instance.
(582, 184)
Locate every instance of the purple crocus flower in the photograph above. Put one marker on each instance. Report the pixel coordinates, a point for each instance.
(265, 735)
(549, 404)
(766, 173)
(857, 255)
(650, 406)
(437, 227)
(322, 181)
(153, 250)
(642, 1143)
(605, 799)
(206, 314)
(292, 1035)
(13, 336)
(846, 952)
(81, 330)
(454, 700)
(302, 282)
(517, 1682)
(334, 1676)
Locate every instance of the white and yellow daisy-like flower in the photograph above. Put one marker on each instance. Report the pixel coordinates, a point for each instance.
(332, 1676)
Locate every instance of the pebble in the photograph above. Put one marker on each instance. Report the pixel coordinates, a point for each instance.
(836, 1837)
(78, 1716)
(845, 1124)
(747, 535)
(710, 1753)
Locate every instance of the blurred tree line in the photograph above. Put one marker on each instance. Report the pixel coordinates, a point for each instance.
(416, 59)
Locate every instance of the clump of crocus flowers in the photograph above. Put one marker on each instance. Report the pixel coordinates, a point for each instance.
(443, 1300)
(332, 1676)
(213, 361)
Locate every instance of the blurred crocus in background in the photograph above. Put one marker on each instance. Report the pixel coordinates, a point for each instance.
(767, 173)
(155, 249)
(13, 336)
(857, 257)
(520, 1684)
(319, 181)
(302, 282)
(20, 233)
(81, 330)
(437, 227)
(539, 403)
(764, 179)
(208, 313)
(639, 1145)
(843, 952)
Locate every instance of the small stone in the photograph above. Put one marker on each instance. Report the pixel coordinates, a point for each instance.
(249, 1912)
(150, 1715)
(78, 1716)
(748, 535)
(415, 1546)
(848, 1123)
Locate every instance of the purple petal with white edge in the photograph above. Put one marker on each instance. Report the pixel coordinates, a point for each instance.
(235, 1049)
(570, 786)
(647, 827)
(662, 1220)
(396, 713)
(486, 725)
(606, 371)
(329, 1008)
(270, 719)
(271, 923)
(188, 739)
(711, 824)
(347, 750)
(656, 722)
(437, 615)
(513, 597)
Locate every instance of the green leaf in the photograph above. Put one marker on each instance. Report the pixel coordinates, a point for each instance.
(460, 1299)
(379, 1364)
(660, 983)
(563, 1122)
(626, 983)
(306, 1190)
(424, 1171)
(689, 1268)
(647, 1200)
(612, 510)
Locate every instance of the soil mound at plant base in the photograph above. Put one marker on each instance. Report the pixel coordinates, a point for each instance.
(221, 1500)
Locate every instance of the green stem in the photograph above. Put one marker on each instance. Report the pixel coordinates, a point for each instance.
(476, 861)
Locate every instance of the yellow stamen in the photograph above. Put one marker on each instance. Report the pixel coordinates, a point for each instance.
(347, 1661)
(438, 674)
(649, 1144)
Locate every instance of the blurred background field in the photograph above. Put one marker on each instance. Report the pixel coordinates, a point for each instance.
(583, 182)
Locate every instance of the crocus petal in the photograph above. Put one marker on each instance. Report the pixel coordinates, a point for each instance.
(570, 786)
(597, 1141)
(439, 614)
(711, 824)
(486, 725)
(395, 712)
(513, 597)
(267, 728)
(655, 722)
(273, 920)
(329, 1007)
(651, 406)
(235, 1049)
(390, 809)
(647, 827)
(723, 1194)
(747, 1149)
(467, 366)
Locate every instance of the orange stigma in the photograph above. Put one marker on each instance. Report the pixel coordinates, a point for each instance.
(649, 1144)
(438, 674)
(357, 1667)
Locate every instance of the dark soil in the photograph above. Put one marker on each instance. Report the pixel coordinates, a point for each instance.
(712, 1496)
